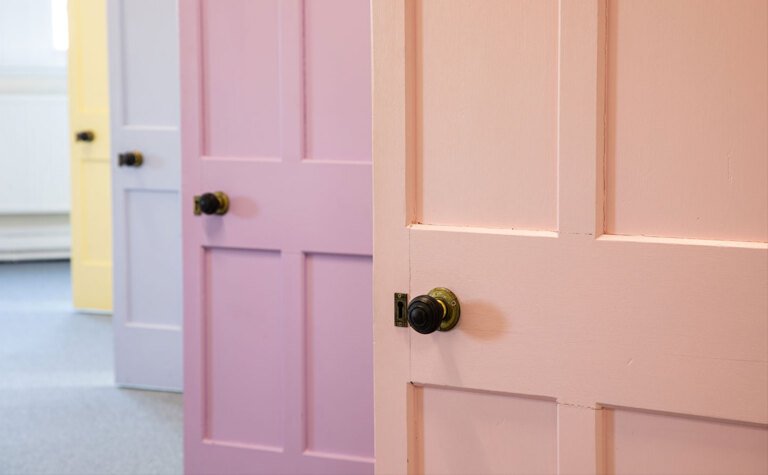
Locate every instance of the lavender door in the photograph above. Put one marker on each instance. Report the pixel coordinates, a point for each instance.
(277, 291)
(144, 103)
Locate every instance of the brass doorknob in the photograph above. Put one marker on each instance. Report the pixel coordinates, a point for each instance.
(438, 310)
(130, 159)
(211, 203)
(85, 136)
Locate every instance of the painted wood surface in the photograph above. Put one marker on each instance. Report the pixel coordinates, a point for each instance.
(144, 95)
(277, 292)
(91, 217)
(698, 101)
(599, 349)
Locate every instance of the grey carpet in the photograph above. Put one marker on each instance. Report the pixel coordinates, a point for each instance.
(60, 412)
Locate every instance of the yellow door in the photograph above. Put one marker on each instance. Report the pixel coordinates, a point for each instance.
(89, 123)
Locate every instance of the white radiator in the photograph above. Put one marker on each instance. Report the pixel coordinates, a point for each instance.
(34, 145)
(34, 154)
(34, 168)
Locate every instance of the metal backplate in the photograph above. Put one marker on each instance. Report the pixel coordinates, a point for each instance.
(452, 307)
(224, 200)
(401, 310)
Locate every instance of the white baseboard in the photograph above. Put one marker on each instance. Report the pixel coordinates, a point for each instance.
(25, 237)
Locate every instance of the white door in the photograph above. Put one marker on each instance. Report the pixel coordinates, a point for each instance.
(144, 95)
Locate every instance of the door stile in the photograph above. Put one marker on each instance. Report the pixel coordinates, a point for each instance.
(580, 152)
(293, 260)
(414, 398)
(581, 117)
(579, 439)
(291, 82)
(393, 200)
(120, 264)
(193, 252)
(295, 417)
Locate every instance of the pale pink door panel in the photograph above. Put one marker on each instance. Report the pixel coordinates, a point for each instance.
(699, 106)
(590, 177)
(278, 324)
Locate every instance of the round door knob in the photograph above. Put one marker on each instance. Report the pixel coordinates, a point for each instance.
(85, 136)
(438, 310)
(425, 314)
(212, 203)
(130, 159)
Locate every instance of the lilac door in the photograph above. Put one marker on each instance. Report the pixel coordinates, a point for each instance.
(277, 291)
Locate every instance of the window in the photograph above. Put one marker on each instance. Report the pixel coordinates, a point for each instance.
(59, 25)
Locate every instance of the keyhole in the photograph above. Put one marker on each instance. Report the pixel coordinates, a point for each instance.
(400, 306)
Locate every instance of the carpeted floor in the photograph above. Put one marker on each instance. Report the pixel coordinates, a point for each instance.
(60, 412)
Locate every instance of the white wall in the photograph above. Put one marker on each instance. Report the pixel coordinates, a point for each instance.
(34, 145)
(26, 35)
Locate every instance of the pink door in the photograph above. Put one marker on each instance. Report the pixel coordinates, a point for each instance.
(276, 127)
(590, 178)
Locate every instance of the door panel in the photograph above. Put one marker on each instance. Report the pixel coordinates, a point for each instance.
(278, 344)
(651, 443)
(494, 136)
(89, 111)
(328, 280)
(244, 327)
(144, 80)
(499, 138)
(663, 123)
(338, 125)
(241, 107)
(149, 60)
(148, 261)
(516, 435)
(634, 341)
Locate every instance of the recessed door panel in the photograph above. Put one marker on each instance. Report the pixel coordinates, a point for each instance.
(152, 255)
(244, 329)
(150, 63)
(339, 378)
(338, 93)
(458, 432)
(686, 119)
(241, 103)
(654, 443)
(485, 112)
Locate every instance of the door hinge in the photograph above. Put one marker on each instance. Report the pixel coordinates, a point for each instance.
(401, 309)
